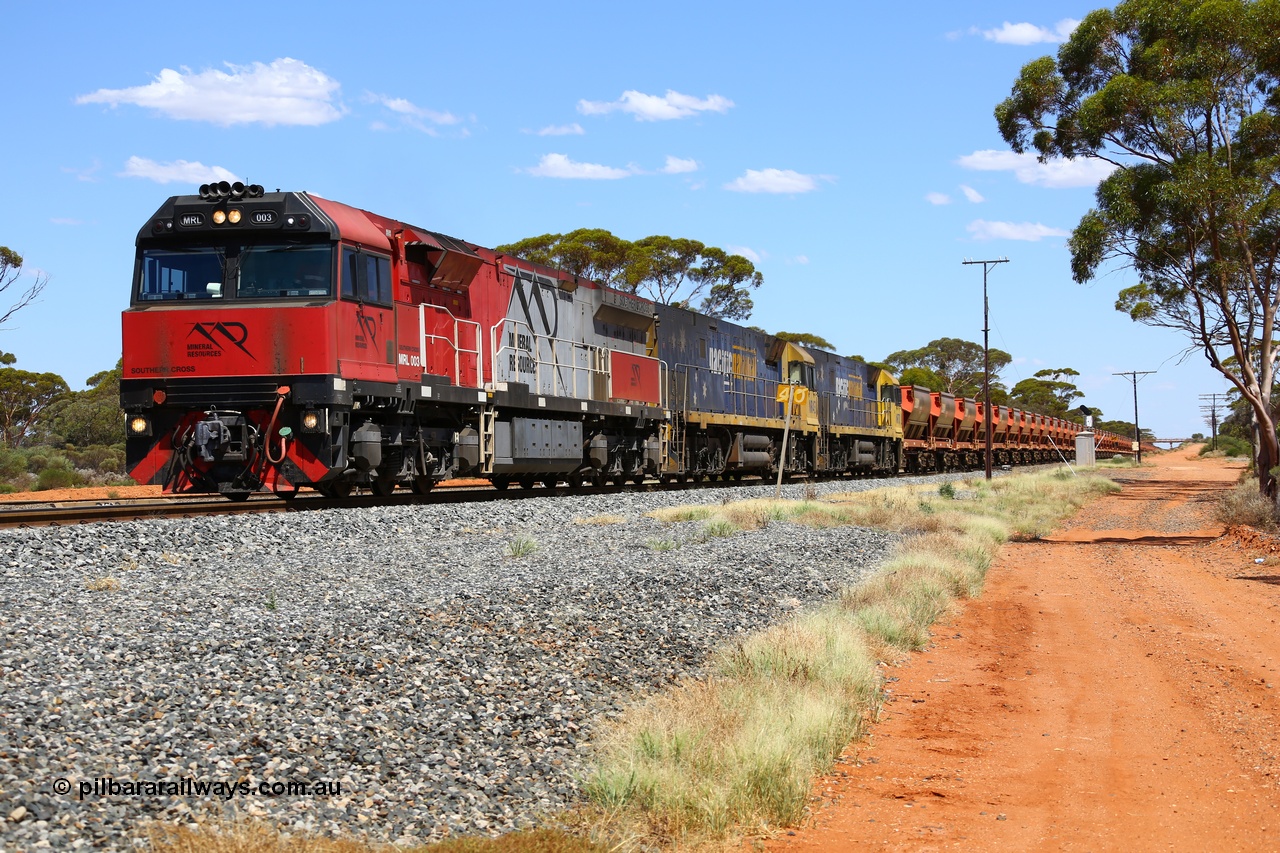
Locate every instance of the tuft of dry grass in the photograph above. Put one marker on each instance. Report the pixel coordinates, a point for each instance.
(1246, 505)
(107, 584)
(675, 514)
(257, 837)
(601, 519)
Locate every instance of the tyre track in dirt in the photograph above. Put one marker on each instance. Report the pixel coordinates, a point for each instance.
(1115, 688)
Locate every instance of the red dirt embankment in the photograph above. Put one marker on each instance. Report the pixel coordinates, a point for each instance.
(1116, 687)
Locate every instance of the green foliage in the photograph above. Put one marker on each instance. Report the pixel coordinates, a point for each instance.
(100, 457)
(669, 270)
(521, 546)
(24, 399)
(89, 417)
(58, 477)
(805, 339)
(13, 463)
(923, 377)
(948, 364)
(1048, 392)
(1229, 446)
(77, 437)
(1182, 97)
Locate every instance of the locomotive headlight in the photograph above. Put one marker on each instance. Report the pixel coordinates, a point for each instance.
(233, 216)
(139, 425)
(219, 217)
(310, 421)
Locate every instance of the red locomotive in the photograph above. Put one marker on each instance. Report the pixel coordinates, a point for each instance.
(279, 340)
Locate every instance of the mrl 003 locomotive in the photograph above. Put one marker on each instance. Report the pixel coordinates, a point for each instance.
(280, 340)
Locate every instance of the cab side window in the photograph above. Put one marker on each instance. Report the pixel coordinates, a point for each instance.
(801, 373)
(350, 273)
(378, 277)
(365, 277)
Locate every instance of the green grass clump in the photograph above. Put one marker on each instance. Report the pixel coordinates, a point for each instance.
(521, 546)
(1228, 445)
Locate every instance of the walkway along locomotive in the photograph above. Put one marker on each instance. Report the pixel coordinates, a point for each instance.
(279, 340)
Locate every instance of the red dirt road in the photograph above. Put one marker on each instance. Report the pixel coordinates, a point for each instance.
(1115, 688)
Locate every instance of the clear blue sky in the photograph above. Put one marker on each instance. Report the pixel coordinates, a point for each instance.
(848, 149)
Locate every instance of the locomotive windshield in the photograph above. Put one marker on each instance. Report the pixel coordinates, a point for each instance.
(237, 272)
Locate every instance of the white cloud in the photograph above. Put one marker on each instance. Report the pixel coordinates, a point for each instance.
(937, 198)
(981, 229)
(644, 107)
(677, 165)
(285, 92)
(1025, 33)
(411, 115)
(87, 174)
(972, 194)
(748, 253)
(560, 166)
(800, 259)
(773, 181)
(60, 220)
(1059, 173)
(181, 171)
(574, 129)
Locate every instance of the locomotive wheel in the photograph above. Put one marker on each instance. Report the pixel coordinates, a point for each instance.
(501, 483)
(383, 486)
(336, 489)
(527, 482)
(423, 483)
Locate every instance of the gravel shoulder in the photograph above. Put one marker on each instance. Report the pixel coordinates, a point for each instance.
(404, 653)
(1115, 688)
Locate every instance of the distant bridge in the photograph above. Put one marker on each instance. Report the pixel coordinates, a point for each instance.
(1172, 442)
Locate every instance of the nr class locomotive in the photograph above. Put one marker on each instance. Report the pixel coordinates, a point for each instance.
(276, 340)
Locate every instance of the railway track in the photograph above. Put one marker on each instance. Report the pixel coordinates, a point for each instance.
(49, 514)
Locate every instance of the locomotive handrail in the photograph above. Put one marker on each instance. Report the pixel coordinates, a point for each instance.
(558, 382)
(737, 398)
(423, 336)
(866, 413)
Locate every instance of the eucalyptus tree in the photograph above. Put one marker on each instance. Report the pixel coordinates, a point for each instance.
(948, 364)
(1181, 98)
(10, 273)
(670, 270)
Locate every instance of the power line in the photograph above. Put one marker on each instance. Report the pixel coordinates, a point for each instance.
(1137, 434)
(1212, 409)
(986, 354)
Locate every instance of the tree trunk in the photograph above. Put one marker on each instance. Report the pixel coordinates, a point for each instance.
(1268, 453)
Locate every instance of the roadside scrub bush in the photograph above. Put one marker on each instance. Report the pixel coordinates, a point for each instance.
(1228, 445)
(1246, 505)
(58, 477)
(736, 752)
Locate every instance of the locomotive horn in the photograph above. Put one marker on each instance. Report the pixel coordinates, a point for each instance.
(224, 189)
(204, 191)
(255, 190)
(237, 190)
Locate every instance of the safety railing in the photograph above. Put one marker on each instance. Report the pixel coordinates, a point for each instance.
(518, 352)
(854, 412)
(739, 394)
(453, 343)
